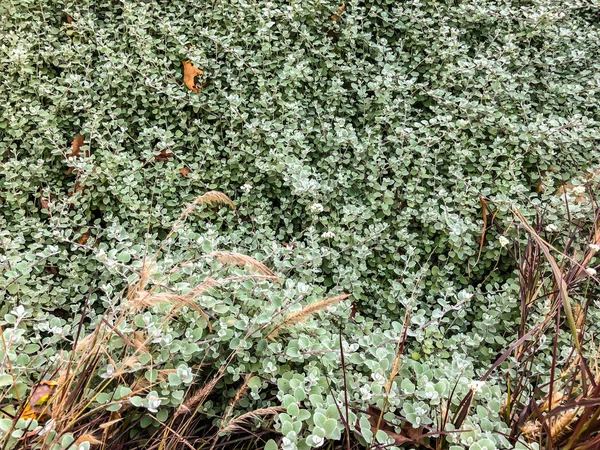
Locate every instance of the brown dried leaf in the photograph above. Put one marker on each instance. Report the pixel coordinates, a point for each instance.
(484, 214)
(185, 172)
(566, 188)
(353, 311)
(44, 201)
(339, 12)
(164, 155)
(76, 145)
(83, 238)
(37, 407)
(189, 74)
(77, 188)
(539, 187)
(592, 175)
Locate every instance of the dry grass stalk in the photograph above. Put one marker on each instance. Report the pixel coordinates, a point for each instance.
(238, 423)
(145, 299)
(139, 340)
(306, 312)
(562, 423)
(163, 374)
(204, 286)
(557, 397)
(87, 437)
(140, 384)
(579, 314)
(238, 395)
(145, 274)
(199, 397)
(240, 392)
(212, 198)
(110, 423)
(209, 198)
(531, 430)
(240, 260)
(110, 428)
(87, 343)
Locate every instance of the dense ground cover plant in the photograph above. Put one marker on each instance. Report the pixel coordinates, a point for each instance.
(358, 146)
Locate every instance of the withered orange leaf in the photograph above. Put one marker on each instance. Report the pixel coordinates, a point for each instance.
(189, 74)
(184, 172)
(353, 311)
(84, 238)
(484, 214)
(38, 405)
(164, 155)
(78, 187)
(568, 188)
(539, 186)
(44, 201)
(76, 145)
(339, 12)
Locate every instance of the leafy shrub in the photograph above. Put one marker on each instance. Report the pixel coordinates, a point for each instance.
(356, 150)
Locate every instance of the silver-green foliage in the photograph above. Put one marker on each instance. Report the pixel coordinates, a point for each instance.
(356, 151)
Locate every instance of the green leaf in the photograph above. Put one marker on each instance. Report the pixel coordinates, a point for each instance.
(67, 440)
(6, 380)
(288, 400)
(151, 375)
(299, 394)
(174, 379)
(304, 414)
(407, 386)
(5, 424)
(381, 436)
(162, 415)
(293, 410)
(271, 445)
(254, 382)
(330, 426)
(124, 257)
(319, 419)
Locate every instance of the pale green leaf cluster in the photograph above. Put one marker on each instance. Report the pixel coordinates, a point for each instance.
(355, 152)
